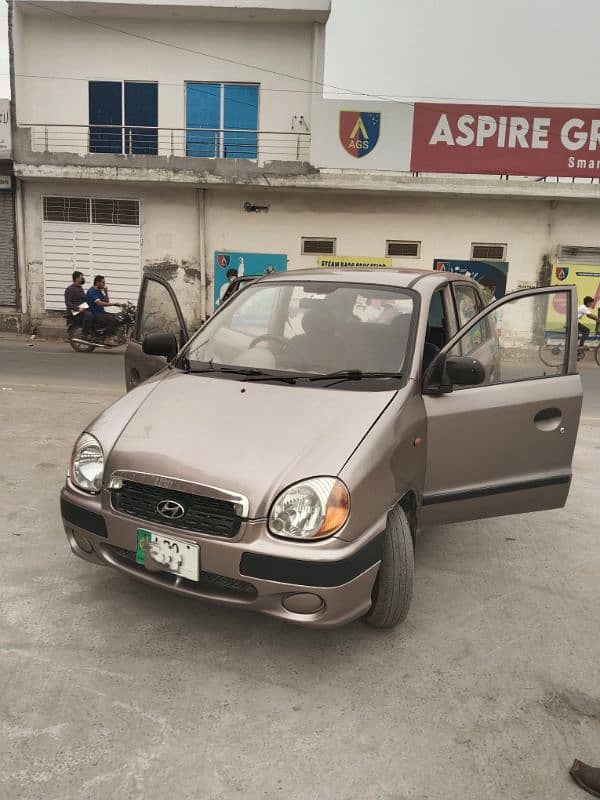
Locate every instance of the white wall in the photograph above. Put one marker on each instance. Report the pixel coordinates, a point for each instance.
(362, 224)
(169, 230)
(66, 53)
(445, 226)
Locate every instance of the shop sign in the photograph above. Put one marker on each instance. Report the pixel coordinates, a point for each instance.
(506, 140)
(353, 261)
(490, 275)
(243, 264)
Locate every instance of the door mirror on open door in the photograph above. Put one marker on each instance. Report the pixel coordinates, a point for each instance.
(450, 371)
(160, 344)
(464, 371)
(525, 336)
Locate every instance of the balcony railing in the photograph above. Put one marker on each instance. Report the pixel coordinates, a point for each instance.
(259, 146)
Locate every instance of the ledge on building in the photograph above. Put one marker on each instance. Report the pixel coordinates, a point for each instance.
(260, 11)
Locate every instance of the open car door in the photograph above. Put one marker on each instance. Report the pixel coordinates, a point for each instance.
(504, 444)
(157, 312)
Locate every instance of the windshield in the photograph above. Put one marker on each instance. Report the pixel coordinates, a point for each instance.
(308, 328)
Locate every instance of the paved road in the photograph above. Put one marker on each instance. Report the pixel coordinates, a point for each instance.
(111, 689)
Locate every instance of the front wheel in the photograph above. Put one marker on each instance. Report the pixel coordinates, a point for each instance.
(393, 588)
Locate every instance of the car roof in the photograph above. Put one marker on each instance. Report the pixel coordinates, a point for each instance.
(384, 276)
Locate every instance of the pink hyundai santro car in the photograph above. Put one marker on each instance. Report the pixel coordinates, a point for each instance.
(285, 457)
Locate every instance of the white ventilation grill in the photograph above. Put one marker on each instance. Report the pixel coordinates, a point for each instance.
(571, 254)
(96, 211)
(318, 247)
(488, 252)
(398, 249)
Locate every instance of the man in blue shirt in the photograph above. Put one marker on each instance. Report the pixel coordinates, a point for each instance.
(98, 300)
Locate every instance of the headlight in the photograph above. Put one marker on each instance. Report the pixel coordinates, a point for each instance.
(87, 465)
(312, 509)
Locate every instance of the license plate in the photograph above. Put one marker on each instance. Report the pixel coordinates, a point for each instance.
(158, 552)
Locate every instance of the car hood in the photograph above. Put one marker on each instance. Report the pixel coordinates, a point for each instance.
(249, 438)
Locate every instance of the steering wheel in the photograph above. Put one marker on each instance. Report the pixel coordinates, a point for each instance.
(268, 337)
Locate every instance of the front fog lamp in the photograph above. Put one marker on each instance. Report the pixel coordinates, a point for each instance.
(313, 509)
(87, 467)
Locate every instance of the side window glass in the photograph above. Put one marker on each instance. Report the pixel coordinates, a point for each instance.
(511, 341)
(159, 314)
(437, 323)
(467, 303)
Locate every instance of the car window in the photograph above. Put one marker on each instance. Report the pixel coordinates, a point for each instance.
(159, 314)
(253, 312)
(467, 303)
(510, 341)
(437, 321)
(310, 328)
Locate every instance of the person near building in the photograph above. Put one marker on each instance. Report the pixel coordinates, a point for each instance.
(232, 274)
(75, 299)
(98, 301)
(585, 312)
(75, 294)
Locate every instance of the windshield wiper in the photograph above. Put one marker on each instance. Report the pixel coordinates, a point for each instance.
(354, 375)
(246, 371)
(270, 376)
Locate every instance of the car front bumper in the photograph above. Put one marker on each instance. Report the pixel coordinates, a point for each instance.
(320, 584)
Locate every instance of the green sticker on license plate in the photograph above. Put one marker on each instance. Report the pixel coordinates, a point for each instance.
(142, 537)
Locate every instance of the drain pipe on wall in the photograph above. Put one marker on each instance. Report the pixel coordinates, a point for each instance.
(202, 252)
(22, 285)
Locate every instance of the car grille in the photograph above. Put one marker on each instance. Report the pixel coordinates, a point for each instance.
(207, 580)
(202, 514)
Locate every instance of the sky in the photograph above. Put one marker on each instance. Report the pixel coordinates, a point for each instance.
(524, 51)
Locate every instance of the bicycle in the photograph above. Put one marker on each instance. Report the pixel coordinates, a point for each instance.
(553, 353)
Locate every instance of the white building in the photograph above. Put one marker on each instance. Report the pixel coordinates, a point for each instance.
(176, 136)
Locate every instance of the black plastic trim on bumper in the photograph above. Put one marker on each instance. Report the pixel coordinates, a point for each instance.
(82, 518)
(312, 573)
(487, 491)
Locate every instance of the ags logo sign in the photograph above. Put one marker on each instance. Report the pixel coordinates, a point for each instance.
(359, 132)
(562, 273)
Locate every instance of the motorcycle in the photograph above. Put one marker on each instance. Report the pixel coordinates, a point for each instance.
(82, 342)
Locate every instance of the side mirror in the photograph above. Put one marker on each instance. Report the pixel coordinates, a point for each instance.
(160, 344)
(464, 371)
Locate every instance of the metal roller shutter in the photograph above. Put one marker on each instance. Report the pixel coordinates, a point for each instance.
(8, 287)
(111, 250)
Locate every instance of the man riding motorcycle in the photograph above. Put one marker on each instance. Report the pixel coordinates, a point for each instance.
(98, 301)
(75, 297)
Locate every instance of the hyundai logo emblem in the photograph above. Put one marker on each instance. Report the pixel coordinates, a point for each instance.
(170, 509)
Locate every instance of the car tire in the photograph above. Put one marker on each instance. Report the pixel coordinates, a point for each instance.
(393, 588)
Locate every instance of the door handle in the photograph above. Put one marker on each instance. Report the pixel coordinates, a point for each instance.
(548, 419)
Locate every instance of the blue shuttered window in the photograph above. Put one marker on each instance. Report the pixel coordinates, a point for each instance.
(240, 113)
(106, 103)
(137, 103)
(227, 118)
(203, 110)
(141, 109)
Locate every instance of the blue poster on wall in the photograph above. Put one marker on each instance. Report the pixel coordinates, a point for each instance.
(229, 266)
(491, 275)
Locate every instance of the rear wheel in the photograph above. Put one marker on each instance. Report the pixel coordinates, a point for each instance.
(393, 588)
(76, 332)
